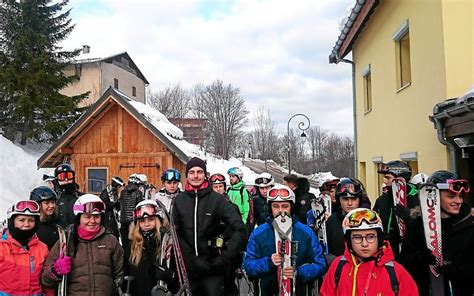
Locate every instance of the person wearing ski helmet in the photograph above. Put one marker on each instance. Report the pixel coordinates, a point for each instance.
(328, 187)
(92, 260)
(263, 263)
(300, 187)
(22, 253)
(130, 196)
(68, 192)
(48, 230)
(419, 179)
(219, 184)
(170, 179)
(388, 210)
(237, 192)
(142, 255)
(368, 265)
(197, 212)
(263, 183)
(110, 196)
(457, 239)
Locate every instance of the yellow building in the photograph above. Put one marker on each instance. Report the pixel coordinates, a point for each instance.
(408, 55)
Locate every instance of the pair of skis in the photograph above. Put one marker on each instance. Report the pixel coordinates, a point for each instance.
(321, 209)
(64, 237)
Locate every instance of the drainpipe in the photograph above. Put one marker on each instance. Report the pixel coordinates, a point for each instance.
(452, 149)
(354, 109)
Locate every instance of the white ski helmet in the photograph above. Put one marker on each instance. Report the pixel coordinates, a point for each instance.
(89, 203)
(147, 208)
(142, 178)
(264, 180)
(24, 207)
(133, 178)
(280, 193)
(419, 178)
(361, 219)
(236, 171)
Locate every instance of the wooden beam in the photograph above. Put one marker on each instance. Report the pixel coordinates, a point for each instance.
(120, 129)
(124, 155)
(66, 150)
(91, 124)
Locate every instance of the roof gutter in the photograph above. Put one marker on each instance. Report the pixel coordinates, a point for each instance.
(442, 139)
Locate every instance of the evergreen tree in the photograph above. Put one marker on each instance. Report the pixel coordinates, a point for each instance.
(31, 70)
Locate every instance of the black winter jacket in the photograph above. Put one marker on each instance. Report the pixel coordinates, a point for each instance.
(110, 221)
(458, 248)
(48, 232)
(129, 198)
(336, 240)
(67, 196)
(196, 217)
(303, 199)
(260, 208)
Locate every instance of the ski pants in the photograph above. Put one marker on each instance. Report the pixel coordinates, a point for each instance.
(212, 285)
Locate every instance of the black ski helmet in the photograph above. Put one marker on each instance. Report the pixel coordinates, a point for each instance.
(441, 177)
(42, 193)
(64, 167)
(397, 168)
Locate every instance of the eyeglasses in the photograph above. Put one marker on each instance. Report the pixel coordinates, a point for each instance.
(146, 210)
(283, 193)
(63, 176)
(262, 180)
(26, 205)
(217, 178)
(358, 217)
(357, 239)
(455, 186)
(91, 207)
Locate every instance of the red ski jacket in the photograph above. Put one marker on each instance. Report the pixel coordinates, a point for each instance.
(367, 278)
(20, 269)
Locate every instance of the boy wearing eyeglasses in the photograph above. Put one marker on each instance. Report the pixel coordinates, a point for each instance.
(457, 226)
(367, 266)
(265, 261)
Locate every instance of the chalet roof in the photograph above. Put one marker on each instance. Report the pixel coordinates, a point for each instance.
(109, 59)
(167, 133)
(354, 25)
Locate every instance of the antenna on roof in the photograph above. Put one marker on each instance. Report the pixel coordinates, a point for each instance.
(86, 49)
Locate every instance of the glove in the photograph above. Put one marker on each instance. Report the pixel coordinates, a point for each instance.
(402, 212)
(427, 257)
(164, 273)
(62, 266)
(219, 264)
(200, 266)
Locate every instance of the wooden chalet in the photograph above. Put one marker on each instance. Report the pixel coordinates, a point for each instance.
(113, 138)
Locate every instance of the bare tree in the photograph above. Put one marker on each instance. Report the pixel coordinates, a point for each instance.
(265, 141)
(173, 101)
(224, 109)
(316, 140)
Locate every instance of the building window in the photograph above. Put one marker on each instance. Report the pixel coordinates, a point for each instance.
(116, 83)
(134, 91)
(367, 87)
(401, 37)
(78, 70)
(96, 180)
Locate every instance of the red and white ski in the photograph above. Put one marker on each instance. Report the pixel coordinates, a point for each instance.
(431, 215)
(399, 190)
(282, 225)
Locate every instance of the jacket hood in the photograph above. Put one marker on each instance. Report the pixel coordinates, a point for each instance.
(384, 255)
(302, 186)
(238, 185)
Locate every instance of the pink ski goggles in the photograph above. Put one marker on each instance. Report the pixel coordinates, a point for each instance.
(455, 186)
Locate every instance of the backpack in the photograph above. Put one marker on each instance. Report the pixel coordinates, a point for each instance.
(250, 217)
(389, 266)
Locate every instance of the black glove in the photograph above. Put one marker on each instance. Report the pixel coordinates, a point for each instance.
(220, 264)
(402, 212)
(164, 273)
(448, 268)
(427, 257)
(200, 266)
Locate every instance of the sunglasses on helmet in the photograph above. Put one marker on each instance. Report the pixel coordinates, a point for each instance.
(146, 211)
(262, 180)
(283, 193)
(26, 205)
(63, 176)
(217, 178)
(91, 207)
(455, 186)
(358, 217)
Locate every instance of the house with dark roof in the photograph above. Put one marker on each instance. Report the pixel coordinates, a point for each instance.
(96, 75)
(406, 56)
(118, 136)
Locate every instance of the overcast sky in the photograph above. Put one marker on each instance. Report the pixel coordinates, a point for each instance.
(275, 51)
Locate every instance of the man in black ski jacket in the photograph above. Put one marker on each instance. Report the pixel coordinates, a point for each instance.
(129, 198)
(197, 212)
(303, 197)
(457, 226)
(110, 196)
(68, 192)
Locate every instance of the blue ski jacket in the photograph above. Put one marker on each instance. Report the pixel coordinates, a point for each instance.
(310, 262)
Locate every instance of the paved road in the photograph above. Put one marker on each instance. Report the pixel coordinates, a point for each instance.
(275, 170)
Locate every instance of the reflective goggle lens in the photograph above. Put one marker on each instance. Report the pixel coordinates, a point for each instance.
(172, 176)
(275, 192)
(259, 181)
(26, 205)
(358, 217)
(146, 210)
(456, 186)
(217, 178)
(65, 176)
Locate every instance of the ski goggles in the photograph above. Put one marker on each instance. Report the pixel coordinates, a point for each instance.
(455, 186)
(357, 217)
(95, 207)
(171, 175)
(283, 193)
(146, 211)
(233, 171)
(26, 205)
(329, 185)
(262, 180)
(349, 188)
(217, 178)
(63, 176)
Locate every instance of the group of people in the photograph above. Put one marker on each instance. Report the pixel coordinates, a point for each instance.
(198, 238)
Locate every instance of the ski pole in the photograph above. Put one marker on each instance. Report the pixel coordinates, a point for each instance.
(294, 251)
(129, 279)
(282, 254)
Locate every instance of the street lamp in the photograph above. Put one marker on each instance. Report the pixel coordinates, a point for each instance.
(302, 127)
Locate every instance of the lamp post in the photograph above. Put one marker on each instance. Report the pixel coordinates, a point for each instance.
(302, 127)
